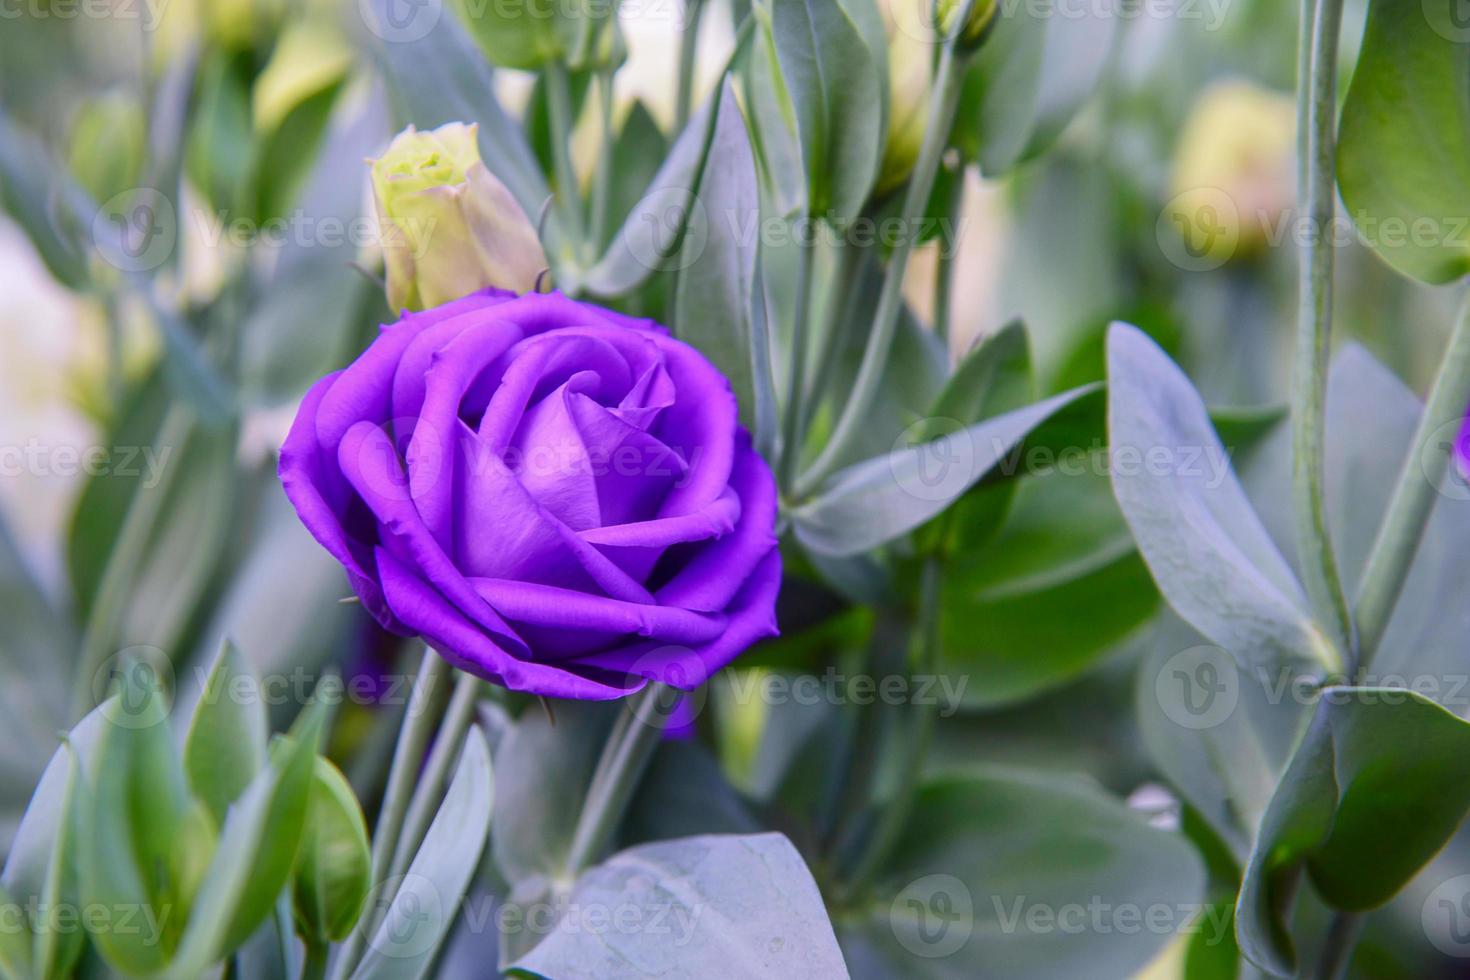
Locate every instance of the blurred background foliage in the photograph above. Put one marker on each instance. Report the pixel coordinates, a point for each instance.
(268, 108)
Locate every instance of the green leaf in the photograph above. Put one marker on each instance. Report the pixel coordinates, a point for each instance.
(427, 902)
(283, 156)
(218, 157)
(293, 757)
(1405, 175)
(1208, 552)
(39, 193)
(162, 464)
(37, 653)
(438, 77)
(992, 377)
(191, 375)
(524, 36)
(1371, 418)
(245, 862)
(134, 824)
(15, 952)
(226, 744)
(638, 153)
(873, 502)
(542, 771)
(1220, 735)
(667, 213)
(731, 907)
(988, 856)
(334, 867)
(716, 283)
(1373, 758)
(1059, 588)
(832, 82)
(1033, 73)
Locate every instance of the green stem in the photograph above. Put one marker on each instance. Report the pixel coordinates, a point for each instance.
(626, 755)
(314, 965)
(127, 551)
(1317, 108)
(688, 45)
(1414, 495)
(430, 789)
(894, 817)
(796, 378)
(944, 269)
(844, 285)
(413, 737)
(1337, 951)
(949, 80)
(602, 181)
(559, 104)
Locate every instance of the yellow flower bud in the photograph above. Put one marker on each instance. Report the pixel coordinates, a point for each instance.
(909, 74)
(448, 225)
(1233, 171)
(982, 15)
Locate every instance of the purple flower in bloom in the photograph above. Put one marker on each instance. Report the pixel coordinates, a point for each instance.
(555, 496)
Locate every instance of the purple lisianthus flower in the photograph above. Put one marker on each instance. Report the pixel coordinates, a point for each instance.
(556, 497)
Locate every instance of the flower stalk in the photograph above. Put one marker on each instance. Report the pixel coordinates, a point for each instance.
(629, 747)
(944, 102)
(1414, 495)
(1317, 199)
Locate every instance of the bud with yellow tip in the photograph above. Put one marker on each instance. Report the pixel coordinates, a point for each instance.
(448, 225)
(1233, 172)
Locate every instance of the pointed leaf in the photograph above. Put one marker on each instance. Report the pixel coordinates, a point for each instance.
(832, 82)
(873, 502)
(226, 744)
(716, 283)
(1204, 544)
(428, 898)
(729, 906)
